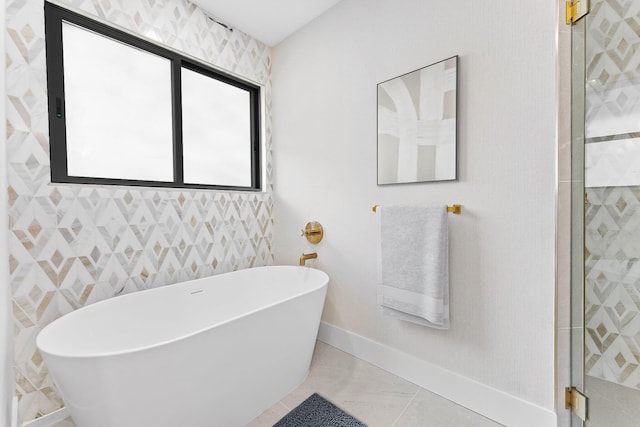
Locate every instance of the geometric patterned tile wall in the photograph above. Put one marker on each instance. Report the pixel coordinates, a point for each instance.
(613, 68)
(612, 285)
(612, 235)
(71, 245)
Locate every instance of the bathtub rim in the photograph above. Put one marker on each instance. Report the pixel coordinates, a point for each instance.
(89, 355)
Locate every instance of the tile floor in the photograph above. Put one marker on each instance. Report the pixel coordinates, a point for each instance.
(611, 404)
(374, 396)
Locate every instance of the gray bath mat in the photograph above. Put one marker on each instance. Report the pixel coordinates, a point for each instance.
(317, 411)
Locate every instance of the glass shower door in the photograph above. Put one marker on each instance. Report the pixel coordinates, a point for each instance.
(610, 37)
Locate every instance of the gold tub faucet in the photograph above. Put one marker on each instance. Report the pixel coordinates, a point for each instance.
(305, 257)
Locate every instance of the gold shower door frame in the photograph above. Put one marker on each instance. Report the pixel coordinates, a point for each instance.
(605, 219)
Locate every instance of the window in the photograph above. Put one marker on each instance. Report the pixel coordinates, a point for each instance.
(125, 111)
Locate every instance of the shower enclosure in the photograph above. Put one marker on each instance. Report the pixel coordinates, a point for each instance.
(606, 212)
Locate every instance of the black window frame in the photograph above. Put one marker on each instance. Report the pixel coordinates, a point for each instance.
(54, 17)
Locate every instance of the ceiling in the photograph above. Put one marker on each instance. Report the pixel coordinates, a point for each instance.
(269, 21)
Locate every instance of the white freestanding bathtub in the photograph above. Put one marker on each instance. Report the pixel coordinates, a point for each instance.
(210, 352)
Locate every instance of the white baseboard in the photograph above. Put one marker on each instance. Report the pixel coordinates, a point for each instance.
(49, 419)
(494, 404)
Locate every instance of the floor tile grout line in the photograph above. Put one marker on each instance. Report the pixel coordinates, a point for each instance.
(406, 407)
(284, 406)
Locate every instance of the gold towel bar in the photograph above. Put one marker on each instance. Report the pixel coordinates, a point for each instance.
(455, 209)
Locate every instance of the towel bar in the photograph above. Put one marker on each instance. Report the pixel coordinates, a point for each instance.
(455, 209)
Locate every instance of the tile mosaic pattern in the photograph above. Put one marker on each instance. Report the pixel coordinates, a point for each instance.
(72, 245)
(613, 61)
(612, 239)
(612, 285)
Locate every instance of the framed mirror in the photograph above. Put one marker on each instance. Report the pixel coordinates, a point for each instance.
(417, 125)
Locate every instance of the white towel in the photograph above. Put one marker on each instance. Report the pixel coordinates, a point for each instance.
(413, 267)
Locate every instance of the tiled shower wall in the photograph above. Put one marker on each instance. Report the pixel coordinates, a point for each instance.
(612, 156)
(72, 245)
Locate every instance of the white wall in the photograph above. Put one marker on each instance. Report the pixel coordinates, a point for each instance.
(6, 331)
(502, 246)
